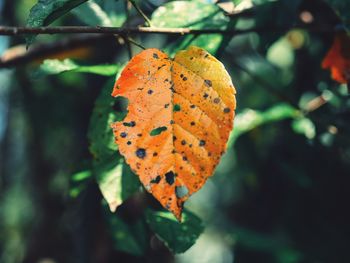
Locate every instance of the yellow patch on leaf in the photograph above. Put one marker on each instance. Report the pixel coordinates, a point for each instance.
(180, 115)
(338, 58)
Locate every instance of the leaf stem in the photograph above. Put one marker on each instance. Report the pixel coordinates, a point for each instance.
(138, 9)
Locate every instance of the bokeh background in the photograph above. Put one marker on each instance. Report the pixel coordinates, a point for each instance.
(280, 193)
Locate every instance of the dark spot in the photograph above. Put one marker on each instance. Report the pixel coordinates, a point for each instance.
(177, 107)
(172, 122)
(192, 106)
(181, 75)
(190, 145)
(227, 110)
(193, 123)
(173, 151)
(166, 80)
(201, 143)
(128, 142)
(184, 79)
(156, 180)
(139, 135)
(209, 154)
(183, 142)
(184, 158)
(158, 131)
(205, 95)
(181, 168)
(129, 124)
(208, 82)
(216, 100)
(155, 154)
(206, 55)
(170, 177)
(191, 58)
(166, 105)
(172, 88)
(150, 91)
(202, 168)
(138, 165)
(141, 153)
(123, 134)
(155, 55)
(174, 138)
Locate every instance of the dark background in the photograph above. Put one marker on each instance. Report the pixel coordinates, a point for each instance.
(280, 194)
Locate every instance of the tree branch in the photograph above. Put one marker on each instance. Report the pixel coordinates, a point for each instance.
(13, 31)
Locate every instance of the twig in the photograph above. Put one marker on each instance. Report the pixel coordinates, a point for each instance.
(7, 30)
(135, 43)
(138, 9)
(46, 50)
(315, 104)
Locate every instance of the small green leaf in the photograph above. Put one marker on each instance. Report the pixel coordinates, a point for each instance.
(100, 133)
(250, 119)
(92, 14)
(78, 182)
(236, 2)
(116, 181)
(55, 66)
(178, 237)
(305, 127)
(114, 177)
(44, 12)
(196, 15)
(127, 237)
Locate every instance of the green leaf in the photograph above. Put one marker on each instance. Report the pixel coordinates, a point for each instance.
(305, 127)
(250, 119)
(78, 182)
(92, 14)
(113, 176)
(178, 237)
(127, 237)
(342, 8)
(100, 134)
(116, 181)
(195, 15)
(44, 12)
(55, 66)
(237, 2)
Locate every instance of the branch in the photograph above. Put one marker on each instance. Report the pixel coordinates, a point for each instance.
(13, 31)
(38, 52)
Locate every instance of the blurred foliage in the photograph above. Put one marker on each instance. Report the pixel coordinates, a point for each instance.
(280, 193)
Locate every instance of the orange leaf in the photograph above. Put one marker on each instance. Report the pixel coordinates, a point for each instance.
(338, 58)
(179, 118)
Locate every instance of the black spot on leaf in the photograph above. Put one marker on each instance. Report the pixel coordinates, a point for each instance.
(208, 82)
(141, 153)
(170, 177)
(156, 180)
(129, 124)
(227, 110)
(177, 107)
